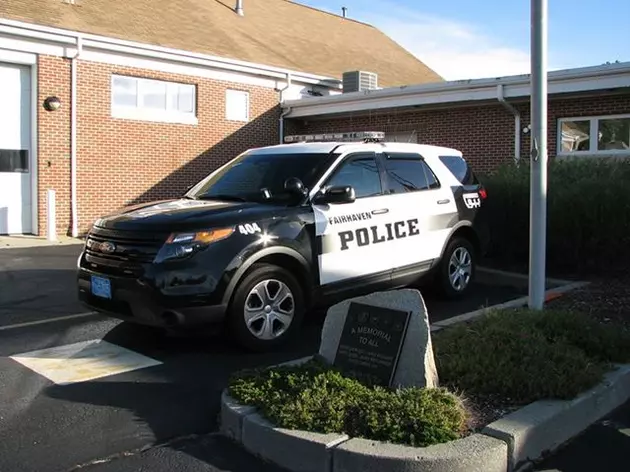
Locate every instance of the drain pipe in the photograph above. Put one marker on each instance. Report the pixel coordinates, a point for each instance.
(286, 112)
(517, 122)
(73, 138)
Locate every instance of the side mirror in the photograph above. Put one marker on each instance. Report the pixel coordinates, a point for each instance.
(295, 186)
(343, 194)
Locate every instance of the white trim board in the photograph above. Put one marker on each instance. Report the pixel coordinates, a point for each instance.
(28, 37)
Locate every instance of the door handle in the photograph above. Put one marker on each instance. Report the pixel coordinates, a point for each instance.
(442, 202)
(380, 212)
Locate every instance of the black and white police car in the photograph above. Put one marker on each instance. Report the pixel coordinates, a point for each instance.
(281, 229)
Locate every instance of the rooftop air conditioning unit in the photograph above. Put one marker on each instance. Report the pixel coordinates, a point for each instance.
(357, 81)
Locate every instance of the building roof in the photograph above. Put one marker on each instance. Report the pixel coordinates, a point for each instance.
(584, 80)
(279, 33)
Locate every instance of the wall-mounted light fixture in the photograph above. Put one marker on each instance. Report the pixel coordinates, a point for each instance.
(52, 103)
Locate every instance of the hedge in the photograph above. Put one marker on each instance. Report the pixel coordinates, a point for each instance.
(588, 216)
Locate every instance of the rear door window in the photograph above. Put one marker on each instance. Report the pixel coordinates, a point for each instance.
(460, 169)
(408, 173)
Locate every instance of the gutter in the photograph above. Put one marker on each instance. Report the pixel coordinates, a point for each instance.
(517, 122)
(285, 112)
(73, 138)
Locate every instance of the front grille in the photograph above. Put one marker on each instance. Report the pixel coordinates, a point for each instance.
(121, 253)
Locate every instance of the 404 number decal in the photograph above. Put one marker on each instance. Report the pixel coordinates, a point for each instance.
(249, 228)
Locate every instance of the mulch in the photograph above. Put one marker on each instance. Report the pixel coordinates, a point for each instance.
(607, 300)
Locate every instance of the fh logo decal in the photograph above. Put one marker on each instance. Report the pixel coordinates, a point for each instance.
(249, 228)
(472, 200)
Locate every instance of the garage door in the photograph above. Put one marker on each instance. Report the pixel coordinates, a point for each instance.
(15, 143)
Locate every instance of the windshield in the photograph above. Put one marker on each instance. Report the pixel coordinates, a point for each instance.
(261, 176)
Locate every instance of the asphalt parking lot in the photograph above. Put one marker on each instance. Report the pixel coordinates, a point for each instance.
(169, 395)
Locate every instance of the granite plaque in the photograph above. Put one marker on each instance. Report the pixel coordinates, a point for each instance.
(371, 343)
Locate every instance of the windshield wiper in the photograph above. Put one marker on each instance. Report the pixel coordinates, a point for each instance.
(231, 198)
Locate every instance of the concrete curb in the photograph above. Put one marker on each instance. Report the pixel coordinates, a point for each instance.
(474, 453)
(516, 303)
(513, 279)
(298, 451)
(542, 426)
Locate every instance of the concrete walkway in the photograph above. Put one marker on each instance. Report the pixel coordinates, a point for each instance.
(25, 241)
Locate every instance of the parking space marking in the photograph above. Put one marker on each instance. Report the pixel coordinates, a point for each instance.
(80, 362)
(47, 320)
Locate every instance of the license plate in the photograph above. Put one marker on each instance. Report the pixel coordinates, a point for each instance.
(101, 287)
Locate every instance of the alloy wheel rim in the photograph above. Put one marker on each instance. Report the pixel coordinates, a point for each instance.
(269, 309)
(460, 269)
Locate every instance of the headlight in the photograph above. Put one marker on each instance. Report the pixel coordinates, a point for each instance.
(181, 245)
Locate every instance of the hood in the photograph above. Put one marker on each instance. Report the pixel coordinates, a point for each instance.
(181, 214)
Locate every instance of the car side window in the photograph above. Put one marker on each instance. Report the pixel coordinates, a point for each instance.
(460, 169)
(409, 173)
(361, 172)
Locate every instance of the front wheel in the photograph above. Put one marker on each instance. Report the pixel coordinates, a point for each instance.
(457, 268)
(267, 308)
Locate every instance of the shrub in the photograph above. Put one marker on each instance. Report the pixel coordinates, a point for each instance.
(316, 397)
(588, 215)
(528, 355)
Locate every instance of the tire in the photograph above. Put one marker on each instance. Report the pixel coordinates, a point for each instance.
(457, 248)
(263, 336)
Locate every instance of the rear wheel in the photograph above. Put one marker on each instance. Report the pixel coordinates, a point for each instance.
(267, 308)
(457, 268)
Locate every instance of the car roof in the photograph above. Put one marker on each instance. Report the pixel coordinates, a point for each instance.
(344, 146)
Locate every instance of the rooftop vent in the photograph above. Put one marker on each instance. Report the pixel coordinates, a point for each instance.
(357, 81)
(239, 8)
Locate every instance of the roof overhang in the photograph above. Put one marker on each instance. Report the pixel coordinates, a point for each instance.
(69, 39)
(570, 81)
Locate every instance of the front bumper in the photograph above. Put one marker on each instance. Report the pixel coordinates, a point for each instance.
(133, 300)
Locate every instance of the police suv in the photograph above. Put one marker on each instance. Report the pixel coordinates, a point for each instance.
(281, 229)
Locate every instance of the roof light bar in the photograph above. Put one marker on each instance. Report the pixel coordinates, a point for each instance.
(353, 136)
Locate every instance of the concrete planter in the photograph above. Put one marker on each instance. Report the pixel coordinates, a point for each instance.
(506, 445)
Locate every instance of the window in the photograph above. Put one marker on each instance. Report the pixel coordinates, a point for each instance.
(236, 105)
(409, 173)
(460, 169)
(594, 135)
(246, 177)
(361, 172)
(153, 100)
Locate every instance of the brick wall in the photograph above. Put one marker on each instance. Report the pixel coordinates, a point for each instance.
(484, 133)
(123, 161)
(53, 144)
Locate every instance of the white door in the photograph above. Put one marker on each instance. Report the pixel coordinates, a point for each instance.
(354, 238)
(15, 144)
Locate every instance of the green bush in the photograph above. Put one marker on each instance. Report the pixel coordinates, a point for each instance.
(588, 216)
(316, 397)
(527, 355)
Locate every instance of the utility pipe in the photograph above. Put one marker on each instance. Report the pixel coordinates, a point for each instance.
(517, 122)
(73, 138)
(286, 112)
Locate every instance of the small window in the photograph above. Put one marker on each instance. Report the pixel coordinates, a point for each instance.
(153, 100)
(460, 169)
(594, 135)
(409, 173)
(361, 172)
(236, 105)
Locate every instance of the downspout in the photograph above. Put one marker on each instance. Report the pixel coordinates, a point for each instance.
(286, 112)
(73, 138)
(517, 122)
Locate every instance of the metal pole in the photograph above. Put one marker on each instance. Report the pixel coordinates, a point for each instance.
(538, 191)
